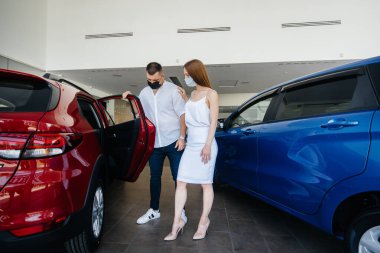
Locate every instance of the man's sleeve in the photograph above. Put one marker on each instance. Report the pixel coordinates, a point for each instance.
(178, 103)
(142, 99)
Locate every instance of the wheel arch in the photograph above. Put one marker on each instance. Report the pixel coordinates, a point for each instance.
(99, 172)
(351, 207)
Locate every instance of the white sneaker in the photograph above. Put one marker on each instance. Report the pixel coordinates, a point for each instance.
(148, 216)
(183, 216)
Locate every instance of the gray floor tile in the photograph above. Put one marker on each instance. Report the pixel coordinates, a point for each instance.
(112, 248)
(284, 244)
(215, 241)
(249, 243)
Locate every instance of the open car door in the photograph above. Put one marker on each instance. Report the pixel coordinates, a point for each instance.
(129, 136)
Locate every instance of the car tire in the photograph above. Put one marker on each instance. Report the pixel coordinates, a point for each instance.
(89, 239)
(363, 235)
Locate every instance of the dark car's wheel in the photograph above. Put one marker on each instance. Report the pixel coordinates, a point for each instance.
(363, 236)
(89, 240)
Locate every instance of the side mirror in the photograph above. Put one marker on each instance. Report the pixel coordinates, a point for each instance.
(220, 124)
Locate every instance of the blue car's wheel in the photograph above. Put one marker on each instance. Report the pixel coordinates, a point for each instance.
(363, 236)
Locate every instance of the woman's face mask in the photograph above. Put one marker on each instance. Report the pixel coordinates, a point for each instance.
(190, 81)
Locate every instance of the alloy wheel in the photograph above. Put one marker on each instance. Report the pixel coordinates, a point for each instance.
(370, 241)
(97, 212)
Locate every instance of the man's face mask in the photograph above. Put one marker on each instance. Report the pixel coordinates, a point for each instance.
(155, 85)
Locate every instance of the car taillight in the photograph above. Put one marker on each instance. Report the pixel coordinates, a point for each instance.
(39, 145)
(45, 145)
(11, 145)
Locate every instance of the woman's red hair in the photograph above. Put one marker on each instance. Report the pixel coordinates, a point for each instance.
(197, 70)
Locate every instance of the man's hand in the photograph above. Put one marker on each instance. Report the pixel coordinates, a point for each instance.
(125, 94)
(180, 144)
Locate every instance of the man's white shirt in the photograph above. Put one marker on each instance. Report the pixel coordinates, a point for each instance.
(164, 110)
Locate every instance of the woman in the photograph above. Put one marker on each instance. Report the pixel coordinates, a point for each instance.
(198, 160)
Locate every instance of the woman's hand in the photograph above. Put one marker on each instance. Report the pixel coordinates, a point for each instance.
(206, 153)
(182, 92)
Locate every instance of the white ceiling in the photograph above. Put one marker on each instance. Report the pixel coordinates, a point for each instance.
(244, 78)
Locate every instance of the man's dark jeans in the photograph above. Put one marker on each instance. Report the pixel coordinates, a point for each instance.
(156, 163)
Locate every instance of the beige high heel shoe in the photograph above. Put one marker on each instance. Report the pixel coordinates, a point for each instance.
(201, 235)
(171, 236)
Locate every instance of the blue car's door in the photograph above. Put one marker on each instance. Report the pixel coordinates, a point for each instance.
(320, 135)
(238, 156)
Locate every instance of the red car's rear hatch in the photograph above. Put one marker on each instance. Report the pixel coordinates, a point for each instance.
(23, 101)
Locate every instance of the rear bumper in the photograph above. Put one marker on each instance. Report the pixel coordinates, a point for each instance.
(71, 227)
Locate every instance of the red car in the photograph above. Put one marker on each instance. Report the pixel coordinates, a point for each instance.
(59, 148)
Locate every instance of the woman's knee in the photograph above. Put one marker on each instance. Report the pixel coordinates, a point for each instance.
(207, 186)
(181, 185)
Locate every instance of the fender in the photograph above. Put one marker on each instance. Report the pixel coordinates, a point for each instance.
(98, 172)
(343, 191)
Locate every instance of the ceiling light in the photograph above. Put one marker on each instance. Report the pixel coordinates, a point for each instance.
(227, 83)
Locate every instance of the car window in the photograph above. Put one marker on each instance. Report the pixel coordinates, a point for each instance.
(326, 97)
(136, 112)
(24, 96)
(254, 114)
(119, 110)
(374, 70)
(87, 110)
(109, 119)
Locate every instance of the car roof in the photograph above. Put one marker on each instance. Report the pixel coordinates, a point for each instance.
(29, 76)
(352, 65)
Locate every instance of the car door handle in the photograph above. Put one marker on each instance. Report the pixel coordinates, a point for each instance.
(248, 131)
(339, 123)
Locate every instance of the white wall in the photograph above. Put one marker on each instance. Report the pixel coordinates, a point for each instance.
(234, 99)
(23, 31)
(256, 34)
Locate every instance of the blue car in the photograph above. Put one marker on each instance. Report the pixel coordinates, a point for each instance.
(311, 147)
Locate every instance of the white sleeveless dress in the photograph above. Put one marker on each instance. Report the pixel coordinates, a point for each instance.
(191, 168)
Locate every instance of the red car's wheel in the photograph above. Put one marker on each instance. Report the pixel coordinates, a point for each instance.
(89, 240)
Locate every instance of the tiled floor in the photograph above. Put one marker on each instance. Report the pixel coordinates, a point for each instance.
(239, 223)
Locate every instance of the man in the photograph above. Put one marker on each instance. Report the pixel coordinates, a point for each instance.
(164, 106)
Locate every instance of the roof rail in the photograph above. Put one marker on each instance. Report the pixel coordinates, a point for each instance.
(61, 80)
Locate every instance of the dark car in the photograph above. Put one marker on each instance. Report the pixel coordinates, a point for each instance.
(59, 149)
(311, 147)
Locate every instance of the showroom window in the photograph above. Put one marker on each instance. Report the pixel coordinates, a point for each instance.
(88, 112)
(254, 114)
(326, 97)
